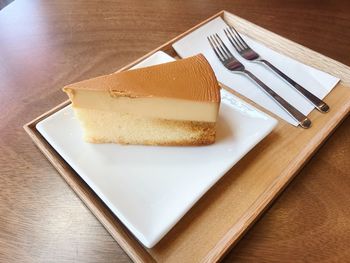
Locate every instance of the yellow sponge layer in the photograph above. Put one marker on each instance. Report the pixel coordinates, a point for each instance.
(132, 129)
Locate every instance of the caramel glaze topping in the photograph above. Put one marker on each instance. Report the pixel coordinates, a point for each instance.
(190, 79)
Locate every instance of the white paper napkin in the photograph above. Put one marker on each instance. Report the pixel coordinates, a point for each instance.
(314, 80)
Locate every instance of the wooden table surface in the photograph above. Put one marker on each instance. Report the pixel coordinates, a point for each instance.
(47, 44)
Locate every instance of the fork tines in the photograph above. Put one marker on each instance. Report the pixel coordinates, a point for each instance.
(220, 49)
(236, 40)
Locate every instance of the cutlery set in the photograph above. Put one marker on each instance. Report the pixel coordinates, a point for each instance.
(234, 65)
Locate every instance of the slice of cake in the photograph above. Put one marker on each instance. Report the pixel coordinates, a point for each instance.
(175, 103)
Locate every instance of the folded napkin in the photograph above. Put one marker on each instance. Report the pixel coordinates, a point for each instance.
(314, 80)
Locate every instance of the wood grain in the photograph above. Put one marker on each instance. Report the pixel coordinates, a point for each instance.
(262, 181)
(45, 45)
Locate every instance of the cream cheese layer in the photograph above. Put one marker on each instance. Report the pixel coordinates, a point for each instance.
(153, 107)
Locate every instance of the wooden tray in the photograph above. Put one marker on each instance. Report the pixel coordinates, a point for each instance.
(226, 212)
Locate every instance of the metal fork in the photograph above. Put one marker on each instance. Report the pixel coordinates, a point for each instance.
(232, 64)
(246, 52)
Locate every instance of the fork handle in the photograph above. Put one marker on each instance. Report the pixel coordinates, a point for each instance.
(297, 115)
(318, 103)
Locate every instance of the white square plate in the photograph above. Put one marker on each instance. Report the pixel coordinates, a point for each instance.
(150, 188)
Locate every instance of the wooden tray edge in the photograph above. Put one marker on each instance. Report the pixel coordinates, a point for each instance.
(235, 233)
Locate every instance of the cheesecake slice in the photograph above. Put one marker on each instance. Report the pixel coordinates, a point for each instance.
(175, 103)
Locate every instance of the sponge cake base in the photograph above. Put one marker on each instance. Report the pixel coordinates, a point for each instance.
(132, 129)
